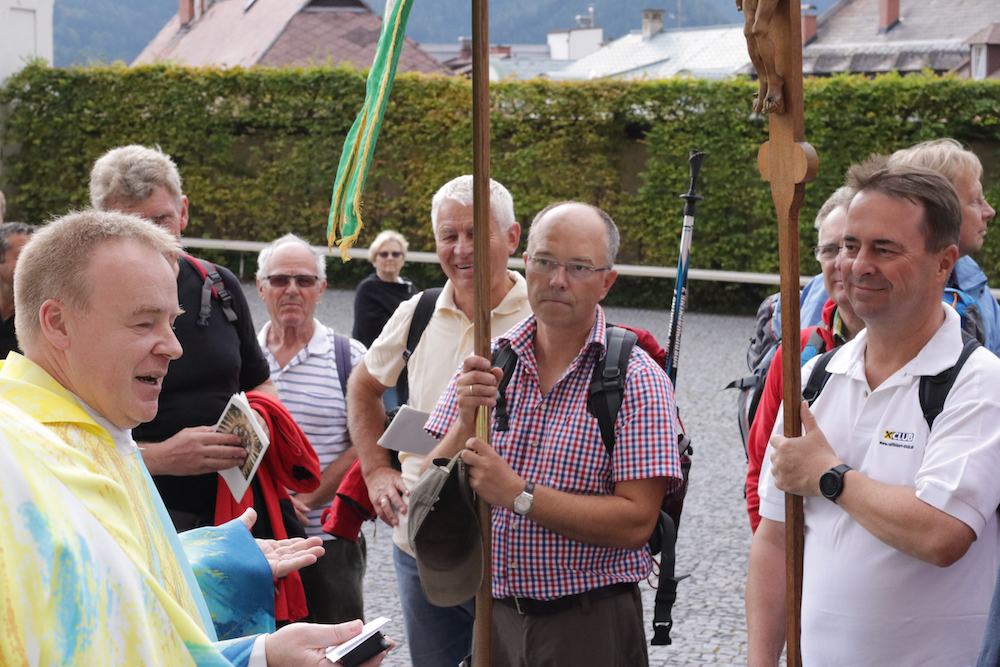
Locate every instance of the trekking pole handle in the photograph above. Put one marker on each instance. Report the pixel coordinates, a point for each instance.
(694, 166)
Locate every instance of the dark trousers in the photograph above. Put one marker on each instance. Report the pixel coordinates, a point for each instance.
(604, 632)
(333, 584)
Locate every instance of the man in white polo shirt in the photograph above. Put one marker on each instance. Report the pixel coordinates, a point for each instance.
(901, 554)
(308, 362)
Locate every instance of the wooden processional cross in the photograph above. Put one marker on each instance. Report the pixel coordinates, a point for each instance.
(774, 40)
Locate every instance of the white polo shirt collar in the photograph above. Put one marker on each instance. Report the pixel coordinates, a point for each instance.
(939, 354)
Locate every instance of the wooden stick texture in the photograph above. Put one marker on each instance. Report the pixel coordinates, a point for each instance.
(483, 630)
(788, 163)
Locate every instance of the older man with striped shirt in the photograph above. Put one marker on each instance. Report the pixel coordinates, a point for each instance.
(310, 364)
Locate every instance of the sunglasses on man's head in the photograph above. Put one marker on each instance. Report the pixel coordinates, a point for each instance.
(282, 280)
(386, 253)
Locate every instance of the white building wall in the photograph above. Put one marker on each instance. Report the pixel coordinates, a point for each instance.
(574, 44)
(25, 33)
(584, 41)
(559, 45)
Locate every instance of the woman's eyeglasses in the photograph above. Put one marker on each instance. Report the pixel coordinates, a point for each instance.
(395, 254)
(282, 280)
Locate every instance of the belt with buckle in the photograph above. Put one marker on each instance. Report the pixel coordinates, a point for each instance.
(532, 607)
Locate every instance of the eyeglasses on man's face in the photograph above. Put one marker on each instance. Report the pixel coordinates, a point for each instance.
(282, 280)
(395, 254)
(828, 252)
(574, 270)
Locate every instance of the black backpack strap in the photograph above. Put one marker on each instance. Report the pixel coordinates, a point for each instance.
(934, 388)
(506, 359)
(342, 355)
(817, 378)
(607, 386)
(212, 286)
(421, 318)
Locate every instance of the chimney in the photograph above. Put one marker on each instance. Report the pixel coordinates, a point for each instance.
(652, 22)
(888, 15)
(185, 11)
(465, 48)
(808, 23)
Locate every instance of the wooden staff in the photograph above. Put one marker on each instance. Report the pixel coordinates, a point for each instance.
(482, 640)
(788, 163)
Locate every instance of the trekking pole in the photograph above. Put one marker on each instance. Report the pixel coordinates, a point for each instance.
(681, 290)
(666, 592)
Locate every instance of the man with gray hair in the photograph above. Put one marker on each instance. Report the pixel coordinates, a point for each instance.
(13, 236)
(182, 450)
(814, 295)
(436, 636)
(310, 364)
(572, 513)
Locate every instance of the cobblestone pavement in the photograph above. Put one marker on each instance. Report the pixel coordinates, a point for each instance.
(714, 536)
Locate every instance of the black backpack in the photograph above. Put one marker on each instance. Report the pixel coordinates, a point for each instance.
(767, 337)
(604, 400)
(933, 388)
(760, 353)
(421, 318)
(212, 286)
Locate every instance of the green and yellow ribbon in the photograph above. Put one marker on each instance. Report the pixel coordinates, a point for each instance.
(345, 207)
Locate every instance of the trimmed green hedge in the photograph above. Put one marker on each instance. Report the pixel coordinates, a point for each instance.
(258, 150)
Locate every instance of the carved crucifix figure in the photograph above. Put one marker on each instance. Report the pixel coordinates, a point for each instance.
(758, 24)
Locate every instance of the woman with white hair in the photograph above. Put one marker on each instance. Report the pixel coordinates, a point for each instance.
(379, 294)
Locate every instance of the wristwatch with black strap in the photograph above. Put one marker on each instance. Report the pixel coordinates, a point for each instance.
(831, 484)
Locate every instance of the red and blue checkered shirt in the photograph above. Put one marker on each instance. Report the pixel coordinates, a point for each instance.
(555, 442)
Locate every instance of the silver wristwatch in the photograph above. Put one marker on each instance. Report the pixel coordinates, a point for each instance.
(525, 500)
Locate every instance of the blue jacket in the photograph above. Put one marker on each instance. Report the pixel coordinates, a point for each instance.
(969, 278)
(811, 302)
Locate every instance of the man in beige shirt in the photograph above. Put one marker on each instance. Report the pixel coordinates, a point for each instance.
(436, 636)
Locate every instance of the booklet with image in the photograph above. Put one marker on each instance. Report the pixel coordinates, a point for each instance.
(239, 419)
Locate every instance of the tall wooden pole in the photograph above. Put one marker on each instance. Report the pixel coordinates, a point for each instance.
(788, 163)
(483, 631)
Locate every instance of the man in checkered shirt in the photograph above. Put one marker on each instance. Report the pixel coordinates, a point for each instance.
(570, 523)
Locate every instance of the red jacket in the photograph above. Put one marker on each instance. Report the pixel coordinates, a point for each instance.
(767, 411)
(351, 507)
(289, 463)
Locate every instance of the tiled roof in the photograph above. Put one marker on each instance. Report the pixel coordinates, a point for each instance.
(710, 52)
(856, 21)
(315, 37)
(224, 35)
(930, 34)
(988, 35)
(902, 57)
(277, 33)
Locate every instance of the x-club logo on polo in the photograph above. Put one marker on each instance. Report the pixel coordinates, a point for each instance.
(901, 439)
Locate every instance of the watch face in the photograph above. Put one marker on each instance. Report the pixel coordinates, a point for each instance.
(522, 504)
(829, 483)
